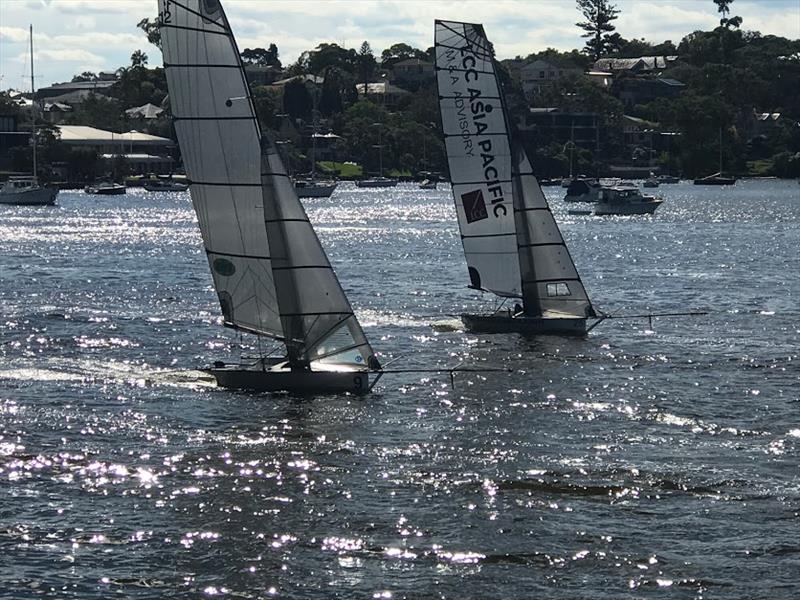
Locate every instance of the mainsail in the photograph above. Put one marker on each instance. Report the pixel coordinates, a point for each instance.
(269, 269)
(512, 243)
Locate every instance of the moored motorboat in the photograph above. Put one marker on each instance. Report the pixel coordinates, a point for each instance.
(582, 190)
(27, 191)
(165, 185)
(106, 188)
(625, 200)
(427, 184)
(715, 179)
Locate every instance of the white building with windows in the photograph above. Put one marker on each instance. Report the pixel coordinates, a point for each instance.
(540, 73)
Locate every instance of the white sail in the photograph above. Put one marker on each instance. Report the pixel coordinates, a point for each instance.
(269, 269)
(551, 286)
(220, 142)
(318, 321)
(512, 243)
(479, 156)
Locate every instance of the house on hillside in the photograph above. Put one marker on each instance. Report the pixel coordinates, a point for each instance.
(641, 90)
(56, 112)
(638, 65)
(145, 112)
(383, 93)
(144, 153)
(544, 126)
(78, 89)
(540, 73)
(412, 70)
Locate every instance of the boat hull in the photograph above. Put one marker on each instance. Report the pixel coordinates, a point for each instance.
(174, 187)
(286, 380)
(623, 209)
(715, 181)
(106, 191)
(315, 191)
(43, 196)
(523, 325)
(376, 183)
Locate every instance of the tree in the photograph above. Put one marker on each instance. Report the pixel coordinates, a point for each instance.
(297, 101)
(261, 57)
(598, 15)
(366, 64)
(723, 6)
(152, 31)
(138, 59)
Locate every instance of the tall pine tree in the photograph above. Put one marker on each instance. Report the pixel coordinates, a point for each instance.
(598, 27)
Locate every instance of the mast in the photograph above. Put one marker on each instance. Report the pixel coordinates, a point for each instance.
(33, 106)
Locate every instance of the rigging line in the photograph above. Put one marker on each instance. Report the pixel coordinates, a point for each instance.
(463, 36)
(202, 16)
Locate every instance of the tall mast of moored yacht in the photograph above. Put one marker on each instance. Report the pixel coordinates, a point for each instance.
(33, 107)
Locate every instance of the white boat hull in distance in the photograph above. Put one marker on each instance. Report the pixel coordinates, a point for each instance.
(41, 196)
(314, 190)
(499, 323)
(624, 208)
(376, 183)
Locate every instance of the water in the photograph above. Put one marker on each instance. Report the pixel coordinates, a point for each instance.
(642, 461)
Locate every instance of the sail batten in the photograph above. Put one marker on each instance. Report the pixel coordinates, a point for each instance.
(512, 243)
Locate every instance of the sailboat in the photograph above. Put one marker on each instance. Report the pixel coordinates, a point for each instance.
(313, 187)
(271, 274)
(512, 244)
(716, 178)
(26, 190)
(380, 180)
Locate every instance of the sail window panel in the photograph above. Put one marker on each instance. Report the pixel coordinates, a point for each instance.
(231, 220)
(220, 152)
(346, 344)
(576, 304)
(214, 92)
(487, 164)
(246, 293)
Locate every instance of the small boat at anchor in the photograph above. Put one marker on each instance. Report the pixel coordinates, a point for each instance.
(376, 182)
(26, 190)
(165, 185)
(314, 188)
(512, 244)
(271, 274)
(427, 184)
(106, 188)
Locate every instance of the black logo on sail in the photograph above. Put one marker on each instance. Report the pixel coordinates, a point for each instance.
(474, 206)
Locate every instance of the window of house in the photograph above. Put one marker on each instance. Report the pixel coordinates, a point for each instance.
(541, 74)
(558, 289)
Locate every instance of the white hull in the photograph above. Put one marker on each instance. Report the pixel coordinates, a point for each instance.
(376, 183)
(165, 187)
(41, 196)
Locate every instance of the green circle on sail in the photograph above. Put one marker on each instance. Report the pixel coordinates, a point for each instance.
(224, 267)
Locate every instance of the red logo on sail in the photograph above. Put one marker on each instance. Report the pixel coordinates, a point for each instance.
(474, 206)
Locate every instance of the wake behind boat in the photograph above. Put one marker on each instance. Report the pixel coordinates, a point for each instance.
(512, 244)
(271, 274)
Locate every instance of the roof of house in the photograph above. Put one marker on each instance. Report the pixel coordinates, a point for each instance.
(541, 63)
(381, 87)
(83, 134)
(97, 84)
(642, 63)
(305, 78)
(411, 62)
(51, 106)
(75, 96)
(146, 111)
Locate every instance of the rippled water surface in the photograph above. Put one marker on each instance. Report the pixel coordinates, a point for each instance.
(642, 461)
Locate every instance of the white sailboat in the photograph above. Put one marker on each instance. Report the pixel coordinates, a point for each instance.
(270, 272)
(26, 190)
(512, 243)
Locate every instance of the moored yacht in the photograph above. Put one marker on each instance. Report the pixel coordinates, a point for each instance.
(27, 191)
(622, 200)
